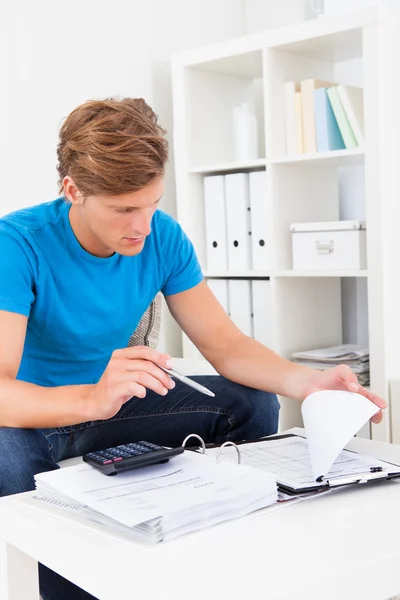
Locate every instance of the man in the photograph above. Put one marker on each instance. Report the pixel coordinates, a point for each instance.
(76, 275)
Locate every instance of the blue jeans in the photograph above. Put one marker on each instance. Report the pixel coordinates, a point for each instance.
(236, 413)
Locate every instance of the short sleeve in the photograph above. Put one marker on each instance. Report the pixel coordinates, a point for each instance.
(182, 266)
(16, 272)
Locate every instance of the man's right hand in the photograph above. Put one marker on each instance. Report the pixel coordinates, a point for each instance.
(130, 372)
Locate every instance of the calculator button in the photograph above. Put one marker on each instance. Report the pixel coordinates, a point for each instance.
(106, 462)
(116, 459)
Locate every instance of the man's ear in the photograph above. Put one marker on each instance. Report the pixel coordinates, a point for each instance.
(71, 192)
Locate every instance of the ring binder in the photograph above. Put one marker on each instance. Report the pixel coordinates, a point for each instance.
(170, 500)
(219, 450)
(228, 444)
(197, 437)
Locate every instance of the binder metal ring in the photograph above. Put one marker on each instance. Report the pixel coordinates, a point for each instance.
(228, 444)
(197, 437)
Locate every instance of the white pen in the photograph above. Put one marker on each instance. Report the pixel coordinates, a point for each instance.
(188, 381)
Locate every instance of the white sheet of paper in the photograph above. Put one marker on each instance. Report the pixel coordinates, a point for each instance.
(331, 419)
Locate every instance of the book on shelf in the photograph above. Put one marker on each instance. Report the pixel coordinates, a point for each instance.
(308, 88)
(294, 136)
(328, 133)
(352, 99)
(299, 123)
(342, 118)
(322, 116)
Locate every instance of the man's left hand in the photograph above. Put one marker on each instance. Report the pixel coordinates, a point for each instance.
(343, 378)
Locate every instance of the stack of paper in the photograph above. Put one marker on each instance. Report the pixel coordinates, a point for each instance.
(163, 501)
(353, 355)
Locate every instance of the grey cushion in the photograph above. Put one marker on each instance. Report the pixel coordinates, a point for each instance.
(147, 332)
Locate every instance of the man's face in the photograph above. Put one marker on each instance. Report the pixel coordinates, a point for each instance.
(108, 224)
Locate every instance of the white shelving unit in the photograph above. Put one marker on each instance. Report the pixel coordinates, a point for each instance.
(207, 83)
(233, 274)
(337, 158)
(229, 167)
(349, 273)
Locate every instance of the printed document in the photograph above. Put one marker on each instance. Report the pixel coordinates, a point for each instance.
(162, 501)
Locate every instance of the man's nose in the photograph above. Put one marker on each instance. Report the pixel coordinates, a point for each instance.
(141, 224)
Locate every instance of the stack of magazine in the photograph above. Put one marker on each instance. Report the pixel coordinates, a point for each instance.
(353, 355)
(160, 502)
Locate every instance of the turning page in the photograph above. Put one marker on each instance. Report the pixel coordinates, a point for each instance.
(331, 419)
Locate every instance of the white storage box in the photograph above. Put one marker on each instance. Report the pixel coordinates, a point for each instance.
(329, 246)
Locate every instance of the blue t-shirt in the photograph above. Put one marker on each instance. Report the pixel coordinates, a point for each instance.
(80, 307)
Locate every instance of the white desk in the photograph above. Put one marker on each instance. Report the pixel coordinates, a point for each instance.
(340, 546)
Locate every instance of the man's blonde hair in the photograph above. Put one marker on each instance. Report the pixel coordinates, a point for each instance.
(111, 147)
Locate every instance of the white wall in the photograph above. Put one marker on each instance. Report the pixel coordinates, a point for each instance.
(63, 53)
(269, 14)
(55, 55)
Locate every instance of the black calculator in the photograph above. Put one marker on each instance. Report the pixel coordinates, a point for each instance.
(130, 456)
